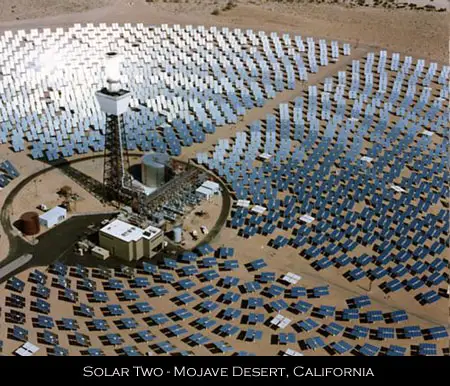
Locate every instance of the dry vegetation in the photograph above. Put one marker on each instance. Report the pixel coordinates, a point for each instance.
(420, 5)
(440, 6)
(388, 24)
(388, 4)
(29, 9)
(228, 7)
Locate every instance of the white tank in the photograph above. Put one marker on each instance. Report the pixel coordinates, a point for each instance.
(177, 234)
(154, 169)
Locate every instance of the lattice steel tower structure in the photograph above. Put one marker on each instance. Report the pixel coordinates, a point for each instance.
(114, 102)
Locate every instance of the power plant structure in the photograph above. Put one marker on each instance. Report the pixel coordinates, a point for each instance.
(177, 233)
(155, 170)
(29, 223)
(168, 186)
(114, 102)
(129, 242)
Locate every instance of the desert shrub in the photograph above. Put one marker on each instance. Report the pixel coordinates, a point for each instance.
(229, 5)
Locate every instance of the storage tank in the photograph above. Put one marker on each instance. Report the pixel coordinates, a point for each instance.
(154, 169)
(177, 234)
(29, 223)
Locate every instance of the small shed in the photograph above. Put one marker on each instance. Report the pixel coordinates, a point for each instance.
(204, 193)
(53, 217)
(211, 185)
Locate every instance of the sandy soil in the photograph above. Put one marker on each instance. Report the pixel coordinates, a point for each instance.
(290, 259)
(277, 261)
(94, 169)
(43, 190)
(422, 34)
(193, 221)
(26, 166)
(29, 9)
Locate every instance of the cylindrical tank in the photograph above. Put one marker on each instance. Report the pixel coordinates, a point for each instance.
(177, 234)
(154, 169)
(29, 223)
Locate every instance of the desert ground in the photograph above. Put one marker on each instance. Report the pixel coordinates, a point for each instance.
(280, 263)
(420, 33)
(42, 190)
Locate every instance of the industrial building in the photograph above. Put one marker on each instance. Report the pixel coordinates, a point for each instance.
(53, 217)
(204, 193)
(207, 190)
(211, 185)
(129, 242)
(155, 170)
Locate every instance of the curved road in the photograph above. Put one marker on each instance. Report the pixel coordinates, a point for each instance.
(18, 257)
(221, 220)
(16, 243)
(9, 268)
(18, 247)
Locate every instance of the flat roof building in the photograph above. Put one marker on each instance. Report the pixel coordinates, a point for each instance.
(204, 193)
(211, 185)
(129, 242)
(53, 217)
(208, 189)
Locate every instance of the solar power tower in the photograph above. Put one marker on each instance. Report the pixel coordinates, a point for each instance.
(114, 102)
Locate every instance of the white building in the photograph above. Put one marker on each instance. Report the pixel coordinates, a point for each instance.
(53, 217)
(211, 185)
(129, 242)
(207, 190)
(204, 193)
